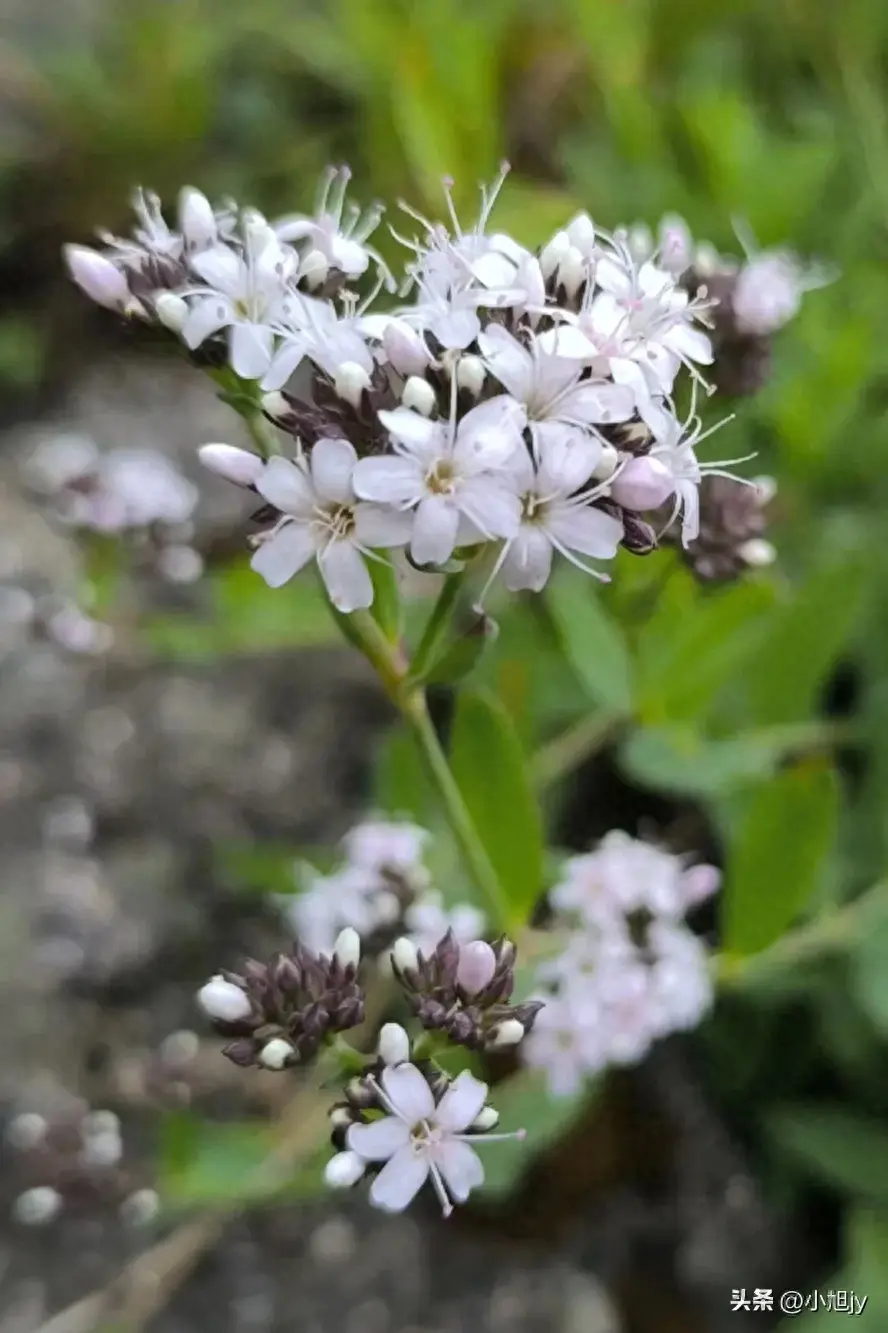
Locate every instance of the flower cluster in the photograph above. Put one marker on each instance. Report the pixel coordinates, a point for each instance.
(78, 1159)
(280, 1012)
(381, 889)
(514, 403)
(406, 1123)
(631, 970)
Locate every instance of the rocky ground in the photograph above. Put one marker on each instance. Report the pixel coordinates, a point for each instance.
(116, 776)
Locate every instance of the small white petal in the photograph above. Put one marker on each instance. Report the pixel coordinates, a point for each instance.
(206, 317)
(419, 396)
(97, 276)
(332, 465)
(586, 530)
(171, 310)
(455, 329)
(486, 1119)
(388, 480)
(285, 361)
(529, 562)
(344, 1170)
(461, 1168)
(380, 1139)
(434, 531)
(287, 487)
(220, 268)
(412, 430)
(399, 1181)
(251, 347)
(409, 1093)
(345, 576)
(237, 465)
(462, 1101)
(394, 1044)
(350, 380)
(643, 483)
(284, 554)
(197, 221)
(492, 506)
(381, 527)
(404, 955)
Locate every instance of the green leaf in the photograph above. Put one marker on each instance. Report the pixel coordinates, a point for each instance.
(460, 658)
(491, 771)
(202, 1163)
(402, 786)
(778, 855)
(592, 641)
(804, 642)
(846, 1150)
(524, 1102)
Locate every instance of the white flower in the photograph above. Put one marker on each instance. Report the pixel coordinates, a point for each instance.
(642, 483)
(565, 1041)
(138, 487)
(428, 921)
(451, 475)
(549, 386)
(675, 244)
(312, 328)
(354, 896)
(556, 514)
(323, 521)
(419, 1139)
(767, 293)
(223, 1000)
(675, 447)
(378, 844)
(623, 874)
(244, 293)
(681, 981)
(336, 232)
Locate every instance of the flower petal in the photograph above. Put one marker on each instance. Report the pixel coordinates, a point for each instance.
(412, 430)
(529, 562)
(287, 487)
(434, 531)
(586, 530)
(489, 434)
(284, 362)
(455, 328)
(461, 1167)
(382, 526)
(206, 317)
(461, 1103)
(508, 361)
(332, 465)
(284, 554)
(399, 1181)
(221, 268)
(410, 1095)
(388, 480)
(492, 506)
(251, 347)
(379, 1140)
(345, 576)
(591, 402)
(565, 340)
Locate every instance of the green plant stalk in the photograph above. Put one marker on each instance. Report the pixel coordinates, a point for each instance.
(437, 627)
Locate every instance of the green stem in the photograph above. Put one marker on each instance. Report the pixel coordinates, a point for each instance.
(261, 433)
(437, 626)
(416, 714)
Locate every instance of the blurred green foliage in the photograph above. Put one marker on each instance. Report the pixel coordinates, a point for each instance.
(774, 113)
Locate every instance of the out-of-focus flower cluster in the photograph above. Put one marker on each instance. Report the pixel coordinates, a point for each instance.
(123, 490)
(630, 971)
(74, 1161)
(519, 402)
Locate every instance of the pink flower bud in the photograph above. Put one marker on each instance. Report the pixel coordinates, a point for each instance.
(699, 883)
(98, 277)
(643, 483)
(477, 964)
(237, 465)
(404, 348)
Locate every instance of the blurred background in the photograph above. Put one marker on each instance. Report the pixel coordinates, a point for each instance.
(176, 716)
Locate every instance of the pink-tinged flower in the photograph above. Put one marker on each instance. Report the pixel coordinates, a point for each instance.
(675, 448)
(323, 520)
(681, 983)
(622, 875)
(556, 514)
(245, 294)
(311, 328)
(378, 844)
(420, 1140)
(99, 278)
(450, 476)
(642, 483)
(566, 1042)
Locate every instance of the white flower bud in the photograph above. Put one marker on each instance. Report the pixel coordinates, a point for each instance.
(347, 949)
(340, 1117)
(607, 463)
(508, 1033)
(757, 553)
(275, 404)
(237, 465)
(554, 253)
(351, 380)
(197, 222)
(767, 294)
(767, 489)
(98, 277)
(470, 374)
(105, 1149)
(258, 233)
(419, 395)
(140, 1208)
(487, 1118)
(276, 1053)
(394, 1044)
(404, 954)
(171, 310)
(476, 966)
(581, 231)
(100, 1122)
(405, 349)
(223, 1000)
(37, 1206)
(314, 268)
(643, 483)
(26, 1131)
(640, 241)
(344, 1170)
(572, 271)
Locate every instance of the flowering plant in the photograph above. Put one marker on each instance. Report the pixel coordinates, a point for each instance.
(503, 428)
